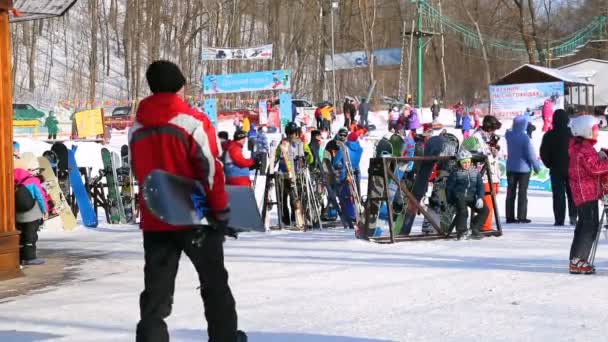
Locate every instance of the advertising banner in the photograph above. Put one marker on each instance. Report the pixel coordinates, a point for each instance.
(509, 101)
(252, 53)
(211, 110)
(540, 181)
(251, 81)
(358, 59)
(263, 112)
(285, 108)
(89, 123)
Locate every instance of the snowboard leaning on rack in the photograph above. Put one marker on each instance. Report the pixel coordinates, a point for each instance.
(63, 174)
(113, 196)
(81, 195)
(59, 202)
(125, 179)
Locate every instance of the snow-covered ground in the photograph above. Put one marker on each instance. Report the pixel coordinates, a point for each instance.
(329, 287)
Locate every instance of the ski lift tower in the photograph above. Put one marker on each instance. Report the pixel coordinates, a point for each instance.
(423, 37)
(13, 11)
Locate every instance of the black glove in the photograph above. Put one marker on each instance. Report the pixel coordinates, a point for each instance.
(256, 165)
(221, 225)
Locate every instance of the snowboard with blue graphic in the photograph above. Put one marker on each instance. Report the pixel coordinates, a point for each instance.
(87, 212)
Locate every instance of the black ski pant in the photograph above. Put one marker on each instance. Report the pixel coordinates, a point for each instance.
(421, 185)
(478, 216)
(52, 136)
(586, 230)
(560, 186)
(319, 123)
(28, 239)
(517, 186)
(162, 253)
(287, 201)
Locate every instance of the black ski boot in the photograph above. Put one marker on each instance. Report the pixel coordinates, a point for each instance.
(475, 235)
(462, 235)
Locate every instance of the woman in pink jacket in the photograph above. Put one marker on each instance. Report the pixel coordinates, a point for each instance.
(585, 168)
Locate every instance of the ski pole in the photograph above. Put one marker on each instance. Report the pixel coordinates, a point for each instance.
(597, 237)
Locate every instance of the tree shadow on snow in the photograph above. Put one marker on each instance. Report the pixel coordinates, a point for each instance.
(25, 336)
(186, 335)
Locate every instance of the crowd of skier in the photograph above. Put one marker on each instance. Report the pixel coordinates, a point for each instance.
(327, 168)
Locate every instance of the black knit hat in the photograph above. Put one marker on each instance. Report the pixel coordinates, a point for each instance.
(164, 77)
(239, 134)
(490, 122)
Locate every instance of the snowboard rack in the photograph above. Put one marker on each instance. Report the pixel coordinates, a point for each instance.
(386, 175)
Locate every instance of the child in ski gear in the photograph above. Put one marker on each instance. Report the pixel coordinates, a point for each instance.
(465, 190)
(184, 143)
(52, 125)
(484, 141)
(467, 125)
(236, 166)
(520, 161)
(554, 154)
(29, 220)
(585, 169)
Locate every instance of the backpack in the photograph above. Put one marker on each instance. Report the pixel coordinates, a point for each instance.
(24, 200)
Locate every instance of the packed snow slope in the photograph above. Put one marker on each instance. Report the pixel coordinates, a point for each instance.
(326, 286)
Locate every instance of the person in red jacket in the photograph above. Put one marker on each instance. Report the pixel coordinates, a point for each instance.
(236, 165)
(585, 168)
(170, 135)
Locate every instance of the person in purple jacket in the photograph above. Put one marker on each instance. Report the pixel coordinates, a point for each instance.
(521, 160)
(414, 121)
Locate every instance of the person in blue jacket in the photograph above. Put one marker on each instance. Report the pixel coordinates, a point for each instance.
(521, 160)
(339, 162)
(355, 151)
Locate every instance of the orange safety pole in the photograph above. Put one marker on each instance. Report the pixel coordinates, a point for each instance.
(9, 237)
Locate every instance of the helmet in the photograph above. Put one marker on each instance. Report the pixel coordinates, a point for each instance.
(582, 126)
(239, 134)
(490, 123)
(463, 155)
(291, 128)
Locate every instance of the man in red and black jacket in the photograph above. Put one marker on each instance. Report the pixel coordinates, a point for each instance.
(170, 135)
(236, 165)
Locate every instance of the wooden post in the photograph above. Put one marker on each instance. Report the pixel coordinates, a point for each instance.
(9, 237)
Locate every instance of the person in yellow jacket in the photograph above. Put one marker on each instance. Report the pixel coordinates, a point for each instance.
(326, 115)
(246, 124)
